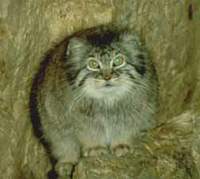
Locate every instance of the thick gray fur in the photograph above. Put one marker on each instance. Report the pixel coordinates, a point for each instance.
(80, 116)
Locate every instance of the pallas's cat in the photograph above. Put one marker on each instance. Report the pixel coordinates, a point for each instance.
(97, 98)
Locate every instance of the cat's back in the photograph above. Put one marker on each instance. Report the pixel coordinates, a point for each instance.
(49, 89)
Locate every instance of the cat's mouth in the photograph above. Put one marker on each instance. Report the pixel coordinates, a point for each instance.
(105, 85)
(108, 85)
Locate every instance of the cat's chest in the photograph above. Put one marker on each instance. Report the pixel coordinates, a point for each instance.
(100, 117)
(104, 119)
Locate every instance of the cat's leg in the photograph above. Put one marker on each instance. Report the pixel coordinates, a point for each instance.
(94, 142)
(121, 141)
(66, 149)
(95, 151)
(121, 149)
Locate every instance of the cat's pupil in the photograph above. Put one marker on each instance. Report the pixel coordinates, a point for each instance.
(93, 64)
(118, 61)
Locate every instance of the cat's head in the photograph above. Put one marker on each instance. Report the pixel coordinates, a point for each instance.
(105, 65)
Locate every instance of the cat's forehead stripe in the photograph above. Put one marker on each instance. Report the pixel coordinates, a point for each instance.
(106, 51)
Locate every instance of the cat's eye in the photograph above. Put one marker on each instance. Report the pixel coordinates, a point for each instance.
(93, 65)
(119, 61)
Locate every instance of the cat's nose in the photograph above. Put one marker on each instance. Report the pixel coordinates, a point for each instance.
(108, 76)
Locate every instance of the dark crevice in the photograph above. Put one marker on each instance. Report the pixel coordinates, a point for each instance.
(190, 11)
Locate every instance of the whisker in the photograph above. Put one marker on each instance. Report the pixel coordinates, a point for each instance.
(76, 100)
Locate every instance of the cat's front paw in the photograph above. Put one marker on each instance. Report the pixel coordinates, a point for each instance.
(64, 170)
(121, 150)
(96, 151)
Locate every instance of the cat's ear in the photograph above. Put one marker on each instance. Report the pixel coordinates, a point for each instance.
(75, 45)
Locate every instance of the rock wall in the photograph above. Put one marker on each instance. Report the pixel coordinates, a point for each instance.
(171, 31)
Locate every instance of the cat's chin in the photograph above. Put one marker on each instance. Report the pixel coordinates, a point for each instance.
(105, 92)
(107, 87)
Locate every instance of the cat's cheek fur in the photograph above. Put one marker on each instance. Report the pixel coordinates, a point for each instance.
(97, 90)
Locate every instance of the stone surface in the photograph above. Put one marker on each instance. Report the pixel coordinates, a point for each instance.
(171, 32)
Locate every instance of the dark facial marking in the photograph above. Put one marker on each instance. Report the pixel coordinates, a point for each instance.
(102, 39)
(140, 68)
(83, 80)
(130, 75)
(140, 56)
(72, 73)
